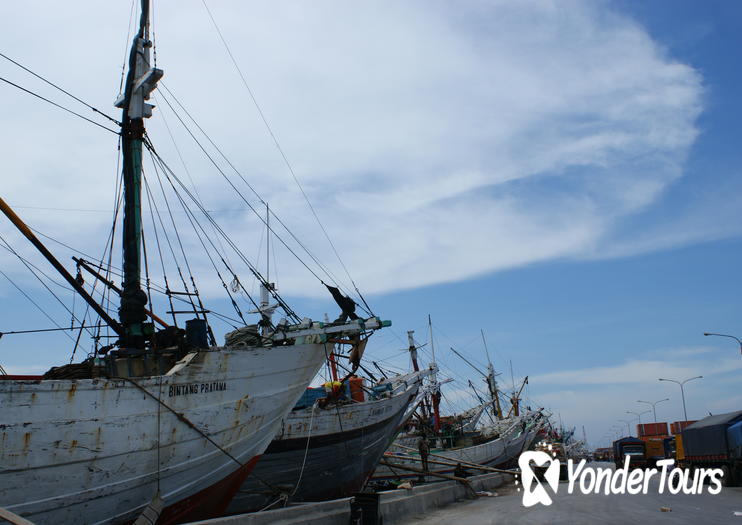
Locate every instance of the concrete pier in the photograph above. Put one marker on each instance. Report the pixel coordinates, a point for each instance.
(396, 505)
(581, 509)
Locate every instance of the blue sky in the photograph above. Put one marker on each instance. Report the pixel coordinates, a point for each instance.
(561, 175)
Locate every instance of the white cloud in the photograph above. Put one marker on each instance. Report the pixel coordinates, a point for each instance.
(436, 142)
(639, 371)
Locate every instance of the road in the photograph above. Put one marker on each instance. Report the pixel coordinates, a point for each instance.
(579, 509)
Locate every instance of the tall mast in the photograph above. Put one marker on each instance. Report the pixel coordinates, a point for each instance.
(264, 298)
(491, 381)
(413, 350)
(141, 80)
(436, 395)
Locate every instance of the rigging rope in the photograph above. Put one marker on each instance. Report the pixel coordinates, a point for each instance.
(306, 451)
(283, 154)
(96, 110)
(190, 178)
(191, 219)
(57, 105)
(260, 217)
(35, 304)
(39, 330)
(39, 279)
(231, 243)
(180, 244)
(148, 193)
(126, 47)
(51, 279)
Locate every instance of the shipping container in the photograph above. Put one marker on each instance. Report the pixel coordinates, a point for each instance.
(678, 426)
(647, 438)
(652, 429)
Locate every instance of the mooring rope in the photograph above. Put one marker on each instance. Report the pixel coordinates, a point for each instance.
(306, 451)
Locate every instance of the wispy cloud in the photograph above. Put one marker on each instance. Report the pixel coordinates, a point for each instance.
(639, 371)
(437, 142)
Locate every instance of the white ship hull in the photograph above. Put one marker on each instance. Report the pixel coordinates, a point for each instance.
(89, 451)
(496, 452)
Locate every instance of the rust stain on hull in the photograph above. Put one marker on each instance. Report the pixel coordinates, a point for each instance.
(71, 391)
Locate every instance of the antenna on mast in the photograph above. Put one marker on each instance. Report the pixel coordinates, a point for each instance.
(266, 309)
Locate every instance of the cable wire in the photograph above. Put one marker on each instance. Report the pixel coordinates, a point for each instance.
(58, 105)
(283, 154)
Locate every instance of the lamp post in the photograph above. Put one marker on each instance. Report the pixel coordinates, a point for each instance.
(638, 414)
(654, 404)
(729, 336)
(682, 391)
(628, 428)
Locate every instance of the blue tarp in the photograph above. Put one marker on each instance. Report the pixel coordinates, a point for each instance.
(380, 390)
(311, 395)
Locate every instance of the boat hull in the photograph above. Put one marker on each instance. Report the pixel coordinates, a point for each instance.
(98, 450)
(345, 446)
(499, 452)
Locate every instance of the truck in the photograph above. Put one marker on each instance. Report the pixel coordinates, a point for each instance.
(714, 442)
(654, 450)
(629, 447)
(669, 446)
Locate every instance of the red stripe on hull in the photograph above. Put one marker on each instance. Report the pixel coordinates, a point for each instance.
(209, 503)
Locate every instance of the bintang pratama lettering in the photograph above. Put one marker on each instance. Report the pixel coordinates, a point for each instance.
(196, 388)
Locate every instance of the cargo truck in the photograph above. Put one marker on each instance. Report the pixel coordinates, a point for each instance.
(654, 450)
(629, 447)
(714, 442)
(669, 447)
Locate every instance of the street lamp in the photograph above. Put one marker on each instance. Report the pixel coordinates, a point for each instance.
(682, 391)
(654, 405)
(729, 336)
(628, 428)
(638, 414)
